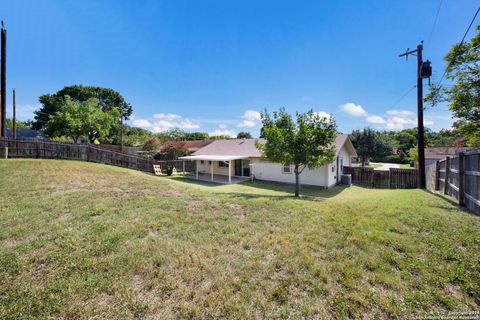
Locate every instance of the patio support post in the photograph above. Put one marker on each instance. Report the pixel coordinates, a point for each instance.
(183, 164)
(196, 168)
(229, 172)
(211, 170)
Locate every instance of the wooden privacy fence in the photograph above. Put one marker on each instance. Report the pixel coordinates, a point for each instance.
(45, 149)
(459, 177)
(391, 179)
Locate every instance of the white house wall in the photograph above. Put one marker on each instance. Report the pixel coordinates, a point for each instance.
(324, 176)
(270, 171)
(205, 167)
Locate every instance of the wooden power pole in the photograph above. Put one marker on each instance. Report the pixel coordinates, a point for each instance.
(424, 70)
(14, 127)
(3, 83)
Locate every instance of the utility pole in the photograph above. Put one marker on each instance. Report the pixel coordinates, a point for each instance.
(14, 127)
(424, 70)
(3, 82)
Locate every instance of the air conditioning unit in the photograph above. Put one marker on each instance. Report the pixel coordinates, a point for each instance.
(346, 179)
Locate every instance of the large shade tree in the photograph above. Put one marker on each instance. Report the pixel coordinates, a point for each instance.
(463, 98)
(307, 141)
(108, 99)
(81, 120)
(369, 144)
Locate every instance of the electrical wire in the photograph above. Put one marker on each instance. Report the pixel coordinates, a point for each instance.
(403, 97)
(461, 42)
(435, 22)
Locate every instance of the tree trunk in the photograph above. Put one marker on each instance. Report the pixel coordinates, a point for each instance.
(297, 181)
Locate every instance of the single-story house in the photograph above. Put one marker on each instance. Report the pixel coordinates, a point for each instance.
(241, 158)
(433, 154)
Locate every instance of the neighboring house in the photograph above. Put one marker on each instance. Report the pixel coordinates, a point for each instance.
(439, 153)
(23, 133)
(190, 145)
(241, 158)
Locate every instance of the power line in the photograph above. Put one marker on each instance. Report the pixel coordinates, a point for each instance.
(461, 42)
(402, 97)
(435, 22)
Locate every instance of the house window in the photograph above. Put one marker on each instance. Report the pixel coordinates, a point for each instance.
(286, 168)
(222, 164)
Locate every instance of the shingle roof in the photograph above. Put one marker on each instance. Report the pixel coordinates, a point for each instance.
(246, 147)
(234, 147)
(194, 145)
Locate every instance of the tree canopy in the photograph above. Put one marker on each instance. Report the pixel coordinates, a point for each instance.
(463, 98)
(369, 143)
(244, 135)
(108, 99)
(80, 120)
(306, 142)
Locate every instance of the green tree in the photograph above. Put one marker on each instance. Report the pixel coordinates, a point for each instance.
(463, 98)
(195, 136)
(244, 135)
(307, 142)
(133, 136)
(20, 124)
(172, 150)
(80, 120)
(370, 144)
(151, 146)
(172, 135)
(108, 99)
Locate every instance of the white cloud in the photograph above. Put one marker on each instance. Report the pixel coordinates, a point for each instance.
(167, 116)
(142, 123)
(353, 109)
(189, 124)
(223, 132)
(251, 119)
(252, 115)
(247, 124)
(24, 111)
(162, 122)
(401, 113)
(222, 126)
(399, 119)
(375, 119)
(324, 114)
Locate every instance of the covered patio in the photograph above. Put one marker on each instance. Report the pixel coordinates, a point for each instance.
(212, 176)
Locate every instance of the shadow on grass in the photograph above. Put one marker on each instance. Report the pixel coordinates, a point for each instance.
(266, 189)
(451, 200)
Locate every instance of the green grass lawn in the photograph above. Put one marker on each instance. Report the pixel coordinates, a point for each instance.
(82, 240)
(370, 165)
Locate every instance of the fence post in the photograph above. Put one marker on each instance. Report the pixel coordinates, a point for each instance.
(389, 178)
(447, 175)
(437, 175)
(461, 177)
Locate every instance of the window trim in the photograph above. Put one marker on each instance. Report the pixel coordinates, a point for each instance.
(289, 169)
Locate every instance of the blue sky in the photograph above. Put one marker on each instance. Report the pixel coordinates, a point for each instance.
(213, 65)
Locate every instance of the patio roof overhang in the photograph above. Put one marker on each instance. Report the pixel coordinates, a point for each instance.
(213, 157)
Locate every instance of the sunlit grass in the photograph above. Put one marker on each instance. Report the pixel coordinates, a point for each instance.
(79, 240)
